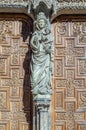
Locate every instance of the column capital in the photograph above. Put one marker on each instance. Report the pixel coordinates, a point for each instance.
(42, 102)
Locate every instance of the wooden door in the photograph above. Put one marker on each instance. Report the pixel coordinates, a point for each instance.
(69, 88)
(15, 97)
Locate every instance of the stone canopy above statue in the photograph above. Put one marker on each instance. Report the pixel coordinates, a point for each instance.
(48, 3)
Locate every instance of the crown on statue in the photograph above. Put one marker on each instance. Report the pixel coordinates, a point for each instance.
(41, 15)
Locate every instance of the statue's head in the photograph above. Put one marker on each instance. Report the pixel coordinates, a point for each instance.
(41, 23)
(41, 20)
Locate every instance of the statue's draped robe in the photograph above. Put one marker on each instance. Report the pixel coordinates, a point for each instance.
(41, 63)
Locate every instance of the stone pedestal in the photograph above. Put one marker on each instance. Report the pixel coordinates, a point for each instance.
(42, 118)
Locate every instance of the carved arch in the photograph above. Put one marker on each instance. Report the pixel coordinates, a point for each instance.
(68, 11)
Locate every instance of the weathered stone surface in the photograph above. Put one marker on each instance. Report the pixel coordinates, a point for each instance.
(42, 57)
(58, 7)
(42, 69)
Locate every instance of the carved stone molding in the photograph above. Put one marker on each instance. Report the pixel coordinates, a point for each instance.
(57, 7)
(70, 4)
(69, 7)
(13, 1)
(13, 4)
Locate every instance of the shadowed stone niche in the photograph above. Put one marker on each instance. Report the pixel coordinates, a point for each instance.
(42, 66)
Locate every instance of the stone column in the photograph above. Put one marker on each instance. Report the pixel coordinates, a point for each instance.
(42, 114)
(42, 64)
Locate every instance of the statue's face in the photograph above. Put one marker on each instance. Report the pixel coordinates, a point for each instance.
(41, 23)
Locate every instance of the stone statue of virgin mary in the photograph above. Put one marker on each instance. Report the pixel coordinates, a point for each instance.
(42, 57)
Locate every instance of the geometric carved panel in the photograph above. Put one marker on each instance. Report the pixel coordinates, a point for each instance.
(4, 98)
(4, 125)
(59, 67)
(4, 63)
(15, 96)
(82, 127)
(24, 126)
(60, 127)
(59, 104)
(81, 99)
(69, 87)
(82, 67)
